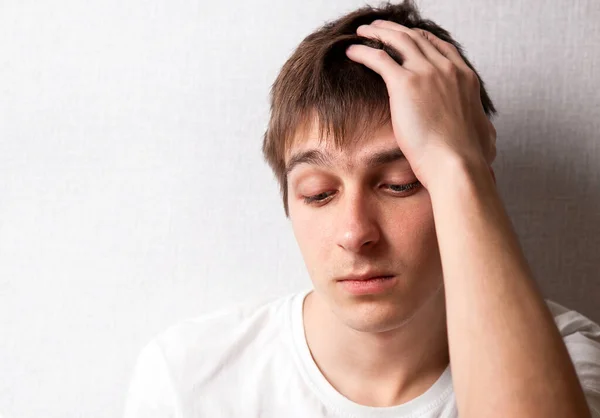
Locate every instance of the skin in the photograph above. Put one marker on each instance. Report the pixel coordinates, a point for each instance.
(355, 230)
(464, 292)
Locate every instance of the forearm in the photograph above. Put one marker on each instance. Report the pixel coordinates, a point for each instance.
(508, 358)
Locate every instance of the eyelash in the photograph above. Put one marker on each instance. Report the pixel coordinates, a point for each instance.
(314, 200)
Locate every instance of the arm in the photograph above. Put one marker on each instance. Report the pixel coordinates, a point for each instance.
(508, 358)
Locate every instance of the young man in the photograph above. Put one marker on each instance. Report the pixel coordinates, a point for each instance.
(423, 302)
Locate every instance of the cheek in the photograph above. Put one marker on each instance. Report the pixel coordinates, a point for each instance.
(312, 235)
(412, 232)
(313, 243)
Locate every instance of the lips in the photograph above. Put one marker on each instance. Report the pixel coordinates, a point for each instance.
(361, 285)
(367, 276)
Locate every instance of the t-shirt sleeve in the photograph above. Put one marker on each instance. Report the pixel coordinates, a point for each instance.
(582, 338)
(151, 393)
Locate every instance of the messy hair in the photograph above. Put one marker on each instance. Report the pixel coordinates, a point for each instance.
(319, 86)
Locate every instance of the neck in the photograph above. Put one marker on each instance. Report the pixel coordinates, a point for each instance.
(384, 368)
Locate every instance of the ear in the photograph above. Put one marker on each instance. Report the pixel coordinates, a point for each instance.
(493, 174)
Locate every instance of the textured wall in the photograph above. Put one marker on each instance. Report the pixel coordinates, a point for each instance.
(133, 192)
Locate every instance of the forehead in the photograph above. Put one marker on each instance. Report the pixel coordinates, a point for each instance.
(349, 153)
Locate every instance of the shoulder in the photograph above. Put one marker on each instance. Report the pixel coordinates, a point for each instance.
(581, 336)
(192, 351)
(573, 326)
(211, 337)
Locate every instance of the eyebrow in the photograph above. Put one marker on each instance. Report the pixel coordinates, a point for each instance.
(321, 159)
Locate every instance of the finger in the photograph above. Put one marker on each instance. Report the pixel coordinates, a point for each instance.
(425, 45)
(493, 174)
(493, 132)
(377, 60)
(402, 42)
(492, 144)
(446, 49)
(491, 153)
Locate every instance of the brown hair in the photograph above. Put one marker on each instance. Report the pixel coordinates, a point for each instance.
(320, 84)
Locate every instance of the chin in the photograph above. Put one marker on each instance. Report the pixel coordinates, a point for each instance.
(383, 312)
(374, 324)
(371, 314)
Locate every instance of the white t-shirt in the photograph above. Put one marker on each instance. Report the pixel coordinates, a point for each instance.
(253, 361)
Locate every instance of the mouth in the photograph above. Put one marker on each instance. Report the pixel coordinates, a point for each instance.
(366, 276)
(371, 285)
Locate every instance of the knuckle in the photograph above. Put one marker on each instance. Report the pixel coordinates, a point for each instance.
(380, 54)
(494, 133)
(473, 79)
(451, 46)
(403, 36)
(492, 154)
(413, 33)
(450, 69)
(426, 35)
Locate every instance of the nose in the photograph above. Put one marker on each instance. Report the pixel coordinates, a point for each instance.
(357, 227)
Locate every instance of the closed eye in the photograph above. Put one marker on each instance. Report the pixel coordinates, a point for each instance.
(403, 187)
(318, 198)
(396, 188)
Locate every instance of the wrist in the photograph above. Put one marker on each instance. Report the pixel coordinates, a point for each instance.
(448, 170)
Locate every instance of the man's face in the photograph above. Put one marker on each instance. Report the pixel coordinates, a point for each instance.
(364, 221)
